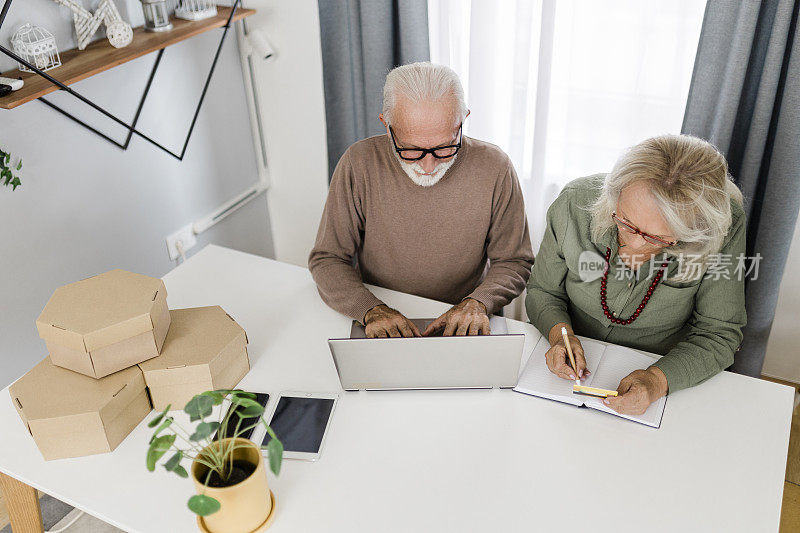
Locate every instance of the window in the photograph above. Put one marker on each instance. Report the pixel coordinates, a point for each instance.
(565, 86)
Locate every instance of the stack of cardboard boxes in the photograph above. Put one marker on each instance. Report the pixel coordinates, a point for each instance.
(111, 339)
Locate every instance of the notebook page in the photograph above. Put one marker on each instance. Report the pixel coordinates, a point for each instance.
(617, 363)
(536, 378)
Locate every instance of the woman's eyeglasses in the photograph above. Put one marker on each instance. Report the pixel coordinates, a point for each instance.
(415, 154)
(651, 239)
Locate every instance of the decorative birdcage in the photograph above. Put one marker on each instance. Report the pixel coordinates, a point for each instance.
(195, 9)
(37, 46)
(156, 15)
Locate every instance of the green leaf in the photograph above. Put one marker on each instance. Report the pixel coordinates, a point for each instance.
(204, 430)
(203, 505)
(215, 396)
(19, 164)
(199, 407)
(173, 461)
(164, 425)
(157, 449)
(181, 471)
(275, 451)
(15, 183)
(236, 392)
(243, 402)
(250, 411)
(154, 422)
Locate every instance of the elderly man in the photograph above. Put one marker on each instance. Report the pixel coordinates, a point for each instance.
(423, 210)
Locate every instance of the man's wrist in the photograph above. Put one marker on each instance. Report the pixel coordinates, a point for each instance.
(369, 314)
(480, 303)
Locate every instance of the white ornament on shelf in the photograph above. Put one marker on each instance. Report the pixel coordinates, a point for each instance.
(156, 15)
(37, 46)
(195, 9)
(118, 32)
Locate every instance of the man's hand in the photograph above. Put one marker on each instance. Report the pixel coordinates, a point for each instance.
(557, 358)
(638, 390)
(465, 318)
(383, 321)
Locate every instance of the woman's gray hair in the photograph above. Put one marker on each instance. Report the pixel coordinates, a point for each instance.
(423, 82)
(689, 181)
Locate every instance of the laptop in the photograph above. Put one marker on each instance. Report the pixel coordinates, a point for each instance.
(464, 362)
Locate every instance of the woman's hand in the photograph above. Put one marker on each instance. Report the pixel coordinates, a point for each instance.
(638, 390)
(557, 358)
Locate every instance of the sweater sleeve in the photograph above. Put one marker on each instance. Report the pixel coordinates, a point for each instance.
(547, 300)
(715, 327)
(332, 260)
(508, 246)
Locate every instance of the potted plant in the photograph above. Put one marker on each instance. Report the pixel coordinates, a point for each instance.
(7, 170)
(229, 474)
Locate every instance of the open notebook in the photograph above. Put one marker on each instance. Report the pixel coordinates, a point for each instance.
(608, 364)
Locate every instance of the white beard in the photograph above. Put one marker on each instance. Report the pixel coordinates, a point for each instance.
(418, 174)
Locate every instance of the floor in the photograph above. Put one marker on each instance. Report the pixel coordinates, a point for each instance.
(790, 514)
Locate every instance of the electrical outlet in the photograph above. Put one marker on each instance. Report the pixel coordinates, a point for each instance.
(185, 236)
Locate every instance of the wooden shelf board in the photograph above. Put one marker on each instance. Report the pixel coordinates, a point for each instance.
(99, 56)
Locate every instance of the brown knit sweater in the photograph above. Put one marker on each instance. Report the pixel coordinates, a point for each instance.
(467, 235)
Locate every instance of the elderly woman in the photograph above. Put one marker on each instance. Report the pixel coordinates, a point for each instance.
(646, 257)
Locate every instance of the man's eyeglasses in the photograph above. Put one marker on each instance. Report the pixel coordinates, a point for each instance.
(415, 154)
(651, 239)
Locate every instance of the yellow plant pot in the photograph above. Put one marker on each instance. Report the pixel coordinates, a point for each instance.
(246, 507)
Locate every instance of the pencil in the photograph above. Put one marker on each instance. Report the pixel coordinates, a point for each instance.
(569, 353)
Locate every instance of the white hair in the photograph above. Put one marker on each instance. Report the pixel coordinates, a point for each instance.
(688, 178)
(423, 82)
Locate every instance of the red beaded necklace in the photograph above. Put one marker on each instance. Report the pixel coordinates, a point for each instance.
(635, 315)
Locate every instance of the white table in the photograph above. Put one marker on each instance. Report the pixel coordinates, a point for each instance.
(471, 460)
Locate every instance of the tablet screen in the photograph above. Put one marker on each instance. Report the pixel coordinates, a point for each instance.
(300, 423)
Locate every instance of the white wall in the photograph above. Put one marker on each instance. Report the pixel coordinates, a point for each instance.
(783, 359)
(292, 106)
(85, 206)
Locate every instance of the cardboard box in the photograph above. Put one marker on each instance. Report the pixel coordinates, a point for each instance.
(205, 349)
(71, 415)
(105, 323)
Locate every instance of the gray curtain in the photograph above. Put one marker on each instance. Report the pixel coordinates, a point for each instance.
(745, 99)
(361, 41)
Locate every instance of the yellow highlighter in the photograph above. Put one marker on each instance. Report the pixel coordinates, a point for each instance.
(593, 391)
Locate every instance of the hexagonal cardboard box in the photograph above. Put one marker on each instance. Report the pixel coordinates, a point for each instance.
(205, 350)
(105, 323)
(71, 415)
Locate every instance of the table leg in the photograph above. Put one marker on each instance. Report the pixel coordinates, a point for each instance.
(23, 505)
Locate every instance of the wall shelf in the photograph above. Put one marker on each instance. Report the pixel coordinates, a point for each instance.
(100, 56)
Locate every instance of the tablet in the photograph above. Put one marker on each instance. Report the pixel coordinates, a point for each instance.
(301, 421)
(246, 425)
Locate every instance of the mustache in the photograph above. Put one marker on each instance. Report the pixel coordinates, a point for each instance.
(416, 167)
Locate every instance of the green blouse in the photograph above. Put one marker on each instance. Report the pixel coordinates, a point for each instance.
(696, 324)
